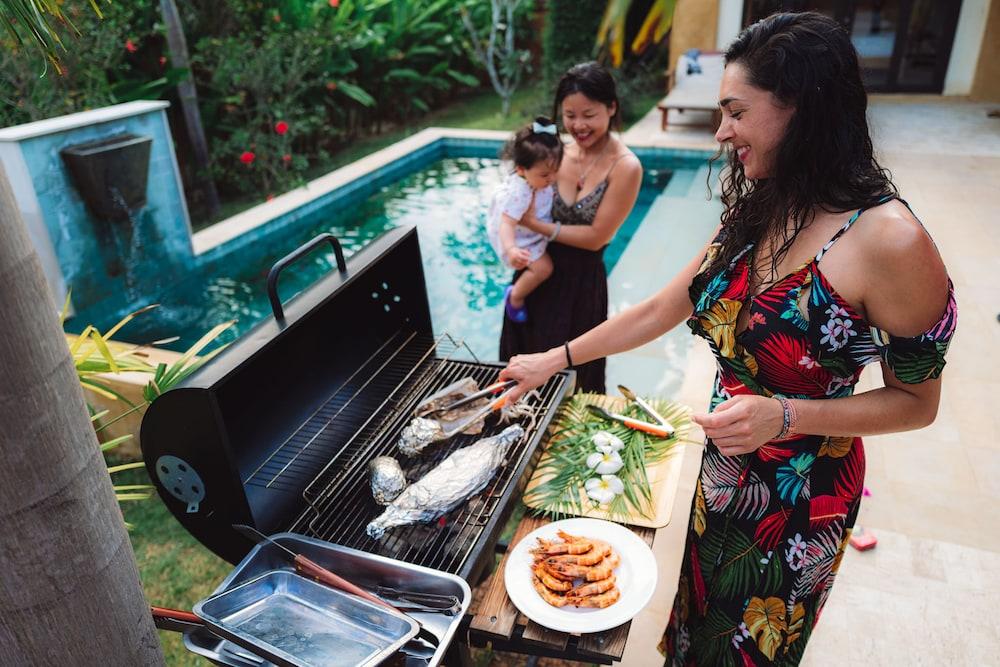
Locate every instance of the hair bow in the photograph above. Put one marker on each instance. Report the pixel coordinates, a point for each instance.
(538, 128)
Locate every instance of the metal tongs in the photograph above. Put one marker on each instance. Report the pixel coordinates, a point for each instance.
(662, 428)
(646, 407)
(409, 601)
(482, 393)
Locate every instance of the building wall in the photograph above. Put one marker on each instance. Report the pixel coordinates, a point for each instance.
(986, 85)
(695, 26)
(730, 22)
(965, 50)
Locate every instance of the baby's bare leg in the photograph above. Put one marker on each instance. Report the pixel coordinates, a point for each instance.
(534, 275)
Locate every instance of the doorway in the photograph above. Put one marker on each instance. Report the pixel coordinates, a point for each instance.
(903, 45)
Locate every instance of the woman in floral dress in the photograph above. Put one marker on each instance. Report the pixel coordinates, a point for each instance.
(817, 270)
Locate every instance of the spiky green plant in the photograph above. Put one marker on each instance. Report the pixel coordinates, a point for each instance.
(94, 359)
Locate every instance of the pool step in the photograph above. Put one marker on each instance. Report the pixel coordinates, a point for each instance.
(672, 232)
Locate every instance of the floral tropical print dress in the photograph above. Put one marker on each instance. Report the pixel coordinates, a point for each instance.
(768, 529)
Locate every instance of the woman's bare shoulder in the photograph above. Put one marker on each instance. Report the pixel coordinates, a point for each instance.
(908, 287)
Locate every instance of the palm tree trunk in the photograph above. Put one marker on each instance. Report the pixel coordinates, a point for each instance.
(69, 587)
(189, 102)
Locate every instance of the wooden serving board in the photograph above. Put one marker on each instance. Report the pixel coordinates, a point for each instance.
(663, 478)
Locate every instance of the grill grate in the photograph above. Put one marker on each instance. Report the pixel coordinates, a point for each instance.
(321, 437)
(340, 501)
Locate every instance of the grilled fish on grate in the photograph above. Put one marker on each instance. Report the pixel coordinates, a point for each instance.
(463, 474)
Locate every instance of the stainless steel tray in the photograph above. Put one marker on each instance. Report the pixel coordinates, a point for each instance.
(364, 569)
(296, 622)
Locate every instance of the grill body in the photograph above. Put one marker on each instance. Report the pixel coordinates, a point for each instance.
(277, 431)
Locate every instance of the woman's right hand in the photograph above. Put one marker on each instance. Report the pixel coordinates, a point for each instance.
(532, 370)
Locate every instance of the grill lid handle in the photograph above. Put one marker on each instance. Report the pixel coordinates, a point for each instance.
(298, 253)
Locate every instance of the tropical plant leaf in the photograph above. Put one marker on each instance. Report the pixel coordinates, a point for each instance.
(563, 469)
(824, 510)
(793, 477)
(111, 444)
(714, 643)
(851, 477)
(719, 322)
(698, 516)
(766, 622)
(739, 570)
(836, 447)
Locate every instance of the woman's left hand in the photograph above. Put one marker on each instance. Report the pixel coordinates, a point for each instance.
(742, 424)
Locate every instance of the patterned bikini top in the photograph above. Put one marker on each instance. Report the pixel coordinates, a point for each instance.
(819, 354)
(583, 210)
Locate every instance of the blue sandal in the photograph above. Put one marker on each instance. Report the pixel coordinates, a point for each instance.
(519, 315)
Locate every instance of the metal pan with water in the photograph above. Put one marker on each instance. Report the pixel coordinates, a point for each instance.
(295, 622)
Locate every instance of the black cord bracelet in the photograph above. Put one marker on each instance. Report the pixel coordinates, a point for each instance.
(569, 359)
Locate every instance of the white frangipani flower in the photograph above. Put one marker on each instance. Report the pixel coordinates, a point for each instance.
(605, 488)
(607, 442)
(605, 463)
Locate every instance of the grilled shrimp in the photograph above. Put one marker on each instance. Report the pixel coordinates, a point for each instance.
(557, 574)
(603, 570)
(597, 601)
(554, 599)
(598, 553)
(552, 548)
(552, 583)
(595, 588)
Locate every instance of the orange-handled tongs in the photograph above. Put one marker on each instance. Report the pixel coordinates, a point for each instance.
(646, 407)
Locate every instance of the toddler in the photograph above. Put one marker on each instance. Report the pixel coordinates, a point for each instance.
(536, 152)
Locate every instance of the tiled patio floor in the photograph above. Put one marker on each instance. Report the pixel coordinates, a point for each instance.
(927, 595)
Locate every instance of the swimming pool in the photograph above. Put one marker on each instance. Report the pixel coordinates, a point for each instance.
(443, 192)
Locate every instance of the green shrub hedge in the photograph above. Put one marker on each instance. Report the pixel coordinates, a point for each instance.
(569, 34)
(281, 83)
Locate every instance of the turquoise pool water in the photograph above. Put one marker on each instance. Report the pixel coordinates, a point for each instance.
(445, 198)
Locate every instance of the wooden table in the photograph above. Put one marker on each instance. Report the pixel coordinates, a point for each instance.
(498, 622)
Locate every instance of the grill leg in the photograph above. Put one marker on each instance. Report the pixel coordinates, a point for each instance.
(458, 655)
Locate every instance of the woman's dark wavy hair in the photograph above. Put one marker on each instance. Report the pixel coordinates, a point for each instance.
(595, 83)
(825, 159)
(527, 147)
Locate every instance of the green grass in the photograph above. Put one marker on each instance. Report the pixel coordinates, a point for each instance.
(175, 569)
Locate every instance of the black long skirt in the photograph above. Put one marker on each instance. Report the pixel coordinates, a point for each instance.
(571, 302)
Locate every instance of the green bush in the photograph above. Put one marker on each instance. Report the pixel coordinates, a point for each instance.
(569, 35)
(331, 70)
(114, 60)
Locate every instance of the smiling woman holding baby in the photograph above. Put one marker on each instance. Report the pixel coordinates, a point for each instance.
(594, 190)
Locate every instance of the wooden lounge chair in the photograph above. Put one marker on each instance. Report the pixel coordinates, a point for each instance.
(696, 91)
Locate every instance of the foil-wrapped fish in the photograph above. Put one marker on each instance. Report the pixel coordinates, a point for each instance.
(463, 474)
(418, 434)
(388, 480)
(432, 425)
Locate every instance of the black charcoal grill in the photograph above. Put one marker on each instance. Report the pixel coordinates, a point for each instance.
(278, 430)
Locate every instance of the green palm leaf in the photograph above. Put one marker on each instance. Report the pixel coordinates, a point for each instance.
(563, 469)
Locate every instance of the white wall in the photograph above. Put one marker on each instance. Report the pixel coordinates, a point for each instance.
(965, 51)
(730, 22)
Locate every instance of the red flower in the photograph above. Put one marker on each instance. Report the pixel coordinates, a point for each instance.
(331, 85)
(335, 3)
(130, 46)
(277, 17)
(270, 197)
(247, 157)
(163, 60)
(286, 157)
(281, 127)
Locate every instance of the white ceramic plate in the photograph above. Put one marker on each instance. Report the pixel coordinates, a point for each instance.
(635, 578)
